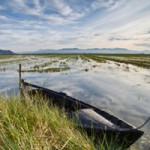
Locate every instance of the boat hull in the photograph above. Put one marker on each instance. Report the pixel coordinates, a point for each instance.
(125, 136)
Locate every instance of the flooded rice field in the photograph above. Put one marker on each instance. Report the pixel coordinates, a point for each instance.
(115, 86)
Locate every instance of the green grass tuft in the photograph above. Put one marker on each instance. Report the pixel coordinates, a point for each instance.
(30, 126)
(29, 123)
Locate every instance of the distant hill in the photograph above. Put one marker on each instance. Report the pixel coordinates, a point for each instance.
(88, 51)
(6, 52)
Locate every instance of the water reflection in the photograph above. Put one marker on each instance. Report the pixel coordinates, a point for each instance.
(106, 88)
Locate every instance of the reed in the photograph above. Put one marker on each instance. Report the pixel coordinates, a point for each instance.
(24, 125)
(137, 60)
(29, 123)
(47, 70)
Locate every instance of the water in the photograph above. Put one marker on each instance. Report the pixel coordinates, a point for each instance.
(123, 91)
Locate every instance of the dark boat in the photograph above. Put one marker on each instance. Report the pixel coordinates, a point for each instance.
(93, 120)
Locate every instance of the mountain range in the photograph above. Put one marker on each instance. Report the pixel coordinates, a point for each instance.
(80, 51)
(6, 52)
(88, 51)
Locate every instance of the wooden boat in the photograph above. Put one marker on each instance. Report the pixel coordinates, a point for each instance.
(93, 120)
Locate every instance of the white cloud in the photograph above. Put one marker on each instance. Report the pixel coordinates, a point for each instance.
(62, 8)
(57, 23)
(143, 44)
(1, 7)
(60, 11)
(3, 18)
(98, 4)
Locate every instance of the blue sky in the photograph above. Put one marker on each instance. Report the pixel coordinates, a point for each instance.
(27, 25)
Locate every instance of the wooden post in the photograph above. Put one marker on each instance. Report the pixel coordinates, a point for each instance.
(20, 81)
(19, 76)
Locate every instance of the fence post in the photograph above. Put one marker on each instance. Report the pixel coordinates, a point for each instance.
(20, 81)
(19, 76)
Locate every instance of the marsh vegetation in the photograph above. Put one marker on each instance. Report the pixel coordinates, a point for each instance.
(116, 83)
(29, 123)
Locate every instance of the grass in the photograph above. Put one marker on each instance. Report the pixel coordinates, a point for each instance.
(137, 60)
(44, 64)
(7, 56)
(30, 126)
(95, 58)
(39, 68)
(13, 61)
(29, 123)
(47, 70)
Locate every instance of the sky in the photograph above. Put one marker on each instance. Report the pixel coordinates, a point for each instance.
(27, 25)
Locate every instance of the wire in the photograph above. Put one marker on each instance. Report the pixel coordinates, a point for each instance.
(144, 123)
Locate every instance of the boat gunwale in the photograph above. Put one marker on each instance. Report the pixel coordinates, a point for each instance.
(98, 110)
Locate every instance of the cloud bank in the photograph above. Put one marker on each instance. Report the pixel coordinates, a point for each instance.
(38, 24)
